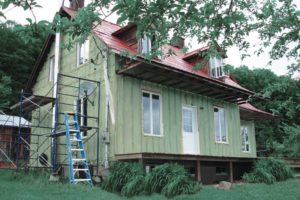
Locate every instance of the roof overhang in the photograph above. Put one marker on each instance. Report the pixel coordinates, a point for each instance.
(165, 75)
(249, 112)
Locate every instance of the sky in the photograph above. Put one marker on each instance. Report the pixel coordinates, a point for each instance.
(50, 7)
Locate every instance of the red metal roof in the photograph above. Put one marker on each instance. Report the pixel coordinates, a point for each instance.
(195, 52)
(251, 108)
(105, 31)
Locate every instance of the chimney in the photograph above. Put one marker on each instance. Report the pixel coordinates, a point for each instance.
(179, 43)
(75, 4)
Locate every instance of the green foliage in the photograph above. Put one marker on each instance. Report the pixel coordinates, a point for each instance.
(135, 186)
(161, 175)
(291, 142)
(180, 185)
(170, 180)
(5, 89)
(283, 95)
(123, 174)
(17, 57)
(129, 180)
(268, 170)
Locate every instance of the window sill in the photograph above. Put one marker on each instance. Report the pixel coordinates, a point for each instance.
(152, 135)
(246, 152)
(221, 142)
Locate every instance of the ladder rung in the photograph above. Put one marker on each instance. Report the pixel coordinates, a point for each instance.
(73, 130)
(78, 159)
(80, 169)
(83, 179)
(76, 149)
(75, 140)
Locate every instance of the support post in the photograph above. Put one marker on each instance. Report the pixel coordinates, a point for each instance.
(198, 171)
(231, 171)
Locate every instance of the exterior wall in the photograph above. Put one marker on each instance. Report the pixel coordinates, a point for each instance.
(44, 87)
(128, 135)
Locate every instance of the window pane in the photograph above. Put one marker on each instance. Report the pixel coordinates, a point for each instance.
(156, 114)
(145, 44)
(245, 139)
(187, 121)
(146, 112)
(222, 125)
(217, 126)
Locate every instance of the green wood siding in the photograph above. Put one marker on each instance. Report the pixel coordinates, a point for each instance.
(129, 137)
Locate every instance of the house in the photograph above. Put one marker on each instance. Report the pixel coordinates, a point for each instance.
(9, 128)
(151, 112)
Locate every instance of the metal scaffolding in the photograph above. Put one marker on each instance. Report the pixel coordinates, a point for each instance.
(42, 137)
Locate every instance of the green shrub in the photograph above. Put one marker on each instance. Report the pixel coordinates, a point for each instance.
(121, 174)
(129, 180)
(135, 186)
(268, 170)
(170, 180)
(161, 175)
(180, 185)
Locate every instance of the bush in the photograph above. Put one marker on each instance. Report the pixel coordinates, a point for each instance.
(129, 180)
(268, 170)
(171, 180)
(122, 174)
(180, 185)
(135, 186)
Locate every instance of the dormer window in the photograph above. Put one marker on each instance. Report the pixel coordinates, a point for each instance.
(216, 67)
(145, 45)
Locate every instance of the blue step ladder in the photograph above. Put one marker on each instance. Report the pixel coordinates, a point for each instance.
(76, 154)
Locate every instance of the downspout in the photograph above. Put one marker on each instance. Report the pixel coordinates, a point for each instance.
(54, 110)
(109, 109)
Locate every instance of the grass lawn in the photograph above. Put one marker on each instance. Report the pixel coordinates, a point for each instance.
(31, 187)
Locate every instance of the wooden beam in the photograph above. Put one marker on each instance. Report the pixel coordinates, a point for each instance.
(231, 171)
(198, 170)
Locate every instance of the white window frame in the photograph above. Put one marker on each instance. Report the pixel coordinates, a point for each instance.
(216, 64)
(151, 115)
(220, 128)
(86, 49)
(145, 49)
(244, 139)
(51, 68)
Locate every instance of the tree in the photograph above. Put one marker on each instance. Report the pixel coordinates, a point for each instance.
(283, 96)
(219, 22)
(17, 57)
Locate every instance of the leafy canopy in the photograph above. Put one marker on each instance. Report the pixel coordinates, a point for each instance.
(216, 22)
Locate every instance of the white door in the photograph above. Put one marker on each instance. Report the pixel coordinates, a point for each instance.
(190, 130)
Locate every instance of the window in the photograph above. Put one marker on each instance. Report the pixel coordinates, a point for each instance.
(151, 113)
(51, 68)
(83, 52)
(220, 125)
(81, 109)
(216, 67)
(245, 139)
(145, 45)
(221, 171)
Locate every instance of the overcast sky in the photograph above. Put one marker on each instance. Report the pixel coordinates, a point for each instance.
(49, 7)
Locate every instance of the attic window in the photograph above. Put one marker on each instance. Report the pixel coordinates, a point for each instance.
(216, 67)
(145, 45)
(83, 52)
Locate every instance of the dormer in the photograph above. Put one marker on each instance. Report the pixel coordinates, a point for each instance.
(216, 67)
(213, 68)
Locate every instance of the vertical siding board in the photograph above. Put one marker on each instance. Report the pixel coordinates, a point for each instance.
(136, 122)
